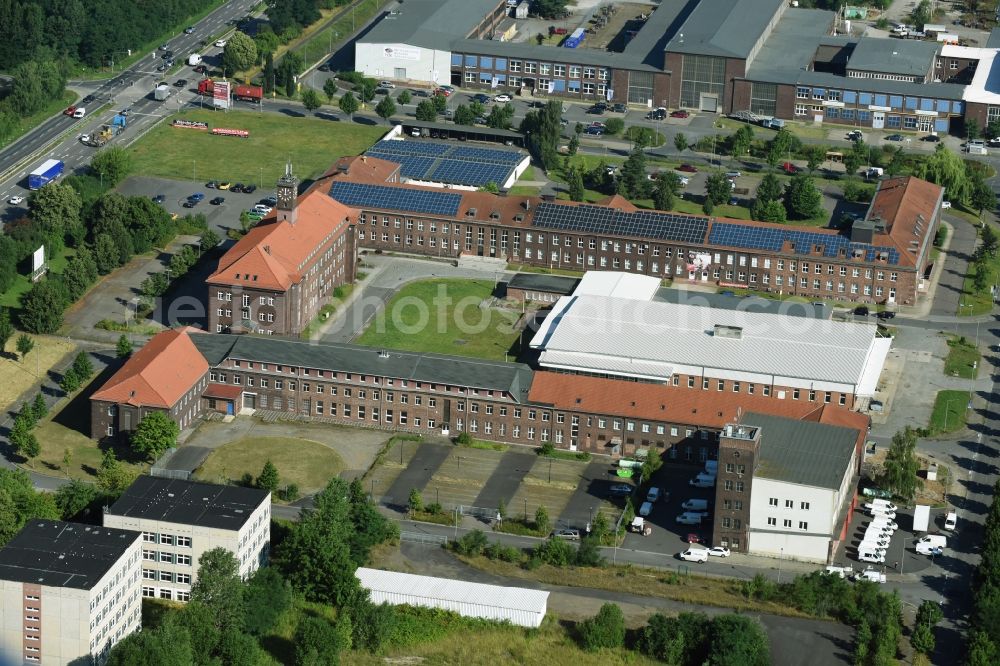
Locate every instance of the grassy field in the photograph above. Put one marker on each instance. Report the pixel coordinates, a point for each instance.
(66, 429)
(524, 191)
(963, 358)
(309, 143)
(19, 375)
(653, 583)
(311, 467)
(444, 316)
(950, 411)
(550, 645)
(12, 297)
(974, 302)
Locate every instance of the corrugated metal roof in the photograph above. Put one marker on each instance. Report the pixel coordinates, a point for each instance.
(449, 589)
(614, 333)
(728, 28)
(896, 56)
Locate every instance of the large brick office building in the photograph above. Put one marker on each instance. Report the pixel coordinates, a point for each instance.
(762, 56)
(881, 259)
(279, 275)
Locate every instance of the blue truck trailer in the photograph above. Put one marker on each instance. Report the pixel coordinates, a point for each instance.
(46, 173)
(574, 39)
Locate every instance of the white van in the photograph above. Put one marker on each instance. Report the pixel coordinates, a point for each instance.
(694, 555)
(690, 518)
(881, 505)
(877, 544)
(842, 572)
(976, 148)
(929, 549)
(871, 555)
(695, 505)
(80, 112)
(653, 495)
(939, 540)
(703, 481)
(951, 520)
(646, 509)
(885, 521)
(870, 574)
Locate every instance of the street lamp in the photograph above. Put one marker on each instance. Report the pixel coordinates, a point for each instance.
(779, 565)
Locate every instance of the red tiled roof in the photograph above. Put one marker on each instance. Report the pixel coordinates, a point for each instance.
(159, 374)
(364, 168)
(908, 205)
(224, 391)
(275, 254)
(657, 402)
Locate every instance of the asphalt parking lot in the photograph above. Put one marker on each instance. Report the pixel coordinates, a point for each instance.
(901, 556)
(220, 217)
(669, 536)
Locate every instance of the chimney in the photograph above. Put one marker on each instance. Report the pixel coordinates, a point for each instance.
(364, 159)
(267, 248)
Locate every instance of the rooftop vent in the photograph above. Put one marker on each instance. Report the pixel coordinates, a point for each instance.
(733, 332)
(470, 213)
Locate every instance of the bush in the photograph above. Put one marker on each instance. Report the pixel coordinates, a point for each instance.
(434, 508)
(557, 552)
(289, 493)
(498, 551)
(759, 587)
(614, 126)
(464, 439)
(604, 630)
(471, 543)
(589, 554)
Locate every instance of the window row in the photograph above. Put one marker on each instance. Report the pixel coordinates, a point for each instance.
(789, 504)
(165, 557)
(166, 539)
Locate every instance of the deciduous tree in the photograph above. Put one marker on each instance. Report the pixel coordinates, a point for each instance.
(112, 164)
(311, 100)
(348, 103)
(604, 630)
(240, 53)
(900, 469)
(386, 108)
(802, 199)
(24, 345)
(42, 307)
(268, 479)
(426, 111)
(156, 433)
(220, 589)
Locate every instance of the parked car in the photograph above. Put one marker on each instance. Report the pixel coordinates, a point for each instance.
(236, 187)
(694, 538)
(386, 84)
(190, 203)
(855, 135)
(270, 200)
(731, 175)
(180, 83)
(653, 495)
(950, 520)
(646, 509)
(718, 551)
(569, 535)
(597, 109)
(694, 555)
(886, 314)
(159, 198)
(789, 168)
(927, 549)
(217, 201)
(481, 98)
(945, 204)
(220, 43)
(886, 505)
(680, 113)
(197, 196)
(249, 189)
(690, 518)
(870, 574)
(688, 168)
(932, 138)
(264, 210)
(620, 489)
(15, 200)
(619, 108)
(502, 97)
(224, 185)
(594, 131)
(211, 184)
(657, 114)
(861, 311)
(895, 137)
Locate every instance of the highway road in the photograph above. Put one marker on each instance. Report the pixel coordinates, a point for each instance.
(132, 88)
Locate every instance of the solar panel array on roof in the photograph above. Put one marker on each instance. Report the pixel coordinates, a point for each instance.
(802, 242)
(603, 220)
(442, 162)
(383, 197)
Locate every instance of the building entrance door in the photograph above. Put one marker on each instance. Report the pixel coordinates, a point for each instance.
(878, 120)
(925, 124)
(709, 103)
(250, 401)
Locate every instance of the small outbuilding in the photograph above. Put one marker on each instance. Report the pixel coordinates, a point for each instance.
(516, 605)
(540, 288)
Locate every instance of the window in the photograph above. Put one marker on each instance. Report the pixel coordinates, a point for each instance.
(184, 579)
(149, 574)
(166, 557)
(773, 501)
(167, 539)
(804, 506)
(787, 523)
(166, 577)
(149, 555)
(803, 525)
(184, 542)
(772, 521)
(149, 537)
(184, 560)
(789, 504)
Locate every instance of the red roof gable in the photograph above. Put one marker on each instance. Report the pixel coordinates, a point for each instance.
(276, 253)
(159, 374)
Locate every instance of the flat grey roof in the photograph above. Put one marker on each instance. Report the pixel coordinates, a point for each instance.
(432, 24)
(744, 303)
(650, 42)
(61, 554)
(189, 502)
(513, 378)
(556, 284)
(787, 54)
(909, 57)
(803, 452)
(728, 28)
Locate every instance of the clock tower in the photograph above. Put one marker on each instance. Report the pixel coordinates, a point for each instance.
(287, 192)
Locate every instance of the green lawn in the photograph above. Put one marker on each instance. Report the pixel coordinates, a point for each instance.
(974, 302)
(524, 191)
(963, 358)
(444, 316)
(310, 144)
(950, 411)
(308, 464)
(12, 297)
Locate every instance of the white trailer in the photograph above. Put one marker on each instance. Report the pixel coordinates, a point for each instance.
(921, 517)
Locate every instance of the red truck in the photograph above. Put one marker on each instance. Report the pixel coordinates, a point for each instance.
(240, 92)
